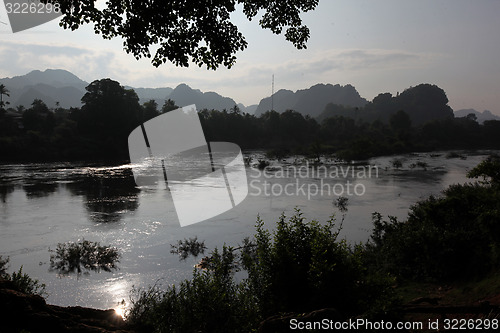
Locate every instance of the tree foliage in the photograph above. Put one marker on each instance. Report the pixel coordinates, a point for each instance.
(300, 266)
(99, 129)
(108, 115)
(449, 237)
(83, 256)
(21, 280)
(188, 247)
(183, 30)
(3, 91)
(4, 262)
(26, 284)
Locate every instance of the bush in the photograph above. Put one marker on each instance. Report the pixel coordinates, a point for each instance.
(90, 256)
(188, 247)
(3, 266)
(302, 266)
(28, 285)
(21, 280)
(210, 302)
(299, 267)
(262, 164)
(397, 163)
(456, 235)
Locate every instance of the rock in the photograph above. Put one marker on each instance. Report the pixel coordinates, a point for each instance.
(19, 311)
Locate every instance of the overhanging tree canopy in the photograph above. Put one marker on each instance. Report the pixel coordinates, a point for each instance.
(180, 30)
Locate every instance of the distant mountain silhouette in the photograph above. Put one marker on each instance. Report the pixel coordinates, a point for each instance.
(184, 95)
(57, 78)
(51, 86)
(251, 109)
(312, 101)
(481, 116)
(422, 103)
(57, 85)
(323, 100)
(147, 94)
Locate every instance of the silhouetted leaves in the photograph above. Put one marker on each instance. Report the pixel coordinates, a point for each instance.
(300, 266)
(83, 256)
(182, 30)
(387, 125)
(188, 247)
(448, 237)
(4, 262)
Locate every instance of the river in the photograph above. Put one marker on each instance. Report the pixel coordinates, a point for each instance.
(44, 204)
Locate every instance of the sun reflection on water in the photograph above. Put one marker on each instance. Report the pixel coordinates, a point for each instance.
(119, 288)
(120, 310)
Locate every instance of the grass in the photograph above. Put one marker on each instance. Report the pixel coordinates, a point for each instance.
(470, 292)
(458, 293)
(475, 290)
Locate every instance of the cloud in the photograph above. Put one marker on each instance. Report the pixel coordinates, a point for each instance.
(20, 58)
(351, 60)
(364, 59)
(314, 66)
(308, 68)
(247, 82)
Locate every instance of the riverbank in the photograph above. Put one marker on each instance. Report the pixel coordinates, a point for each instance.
(20, 312)
(421, 303)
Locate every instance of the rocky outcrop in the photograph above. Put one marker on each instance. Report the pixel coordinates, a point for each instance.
(20, 312)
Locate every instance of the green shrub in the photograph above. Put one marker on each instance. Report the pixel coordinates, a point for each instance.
(26, 284)
(262, 164)
(210, 302)
(488, 170)
(397, 163)
(300, 266)
(4, 263)
(22, 280)
(188, 247)
(453, 236)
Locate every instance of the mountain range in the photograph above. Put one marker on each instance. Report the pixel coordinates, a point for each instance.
(312, 101)
(58, 86)
(51, 86)
(480, 116)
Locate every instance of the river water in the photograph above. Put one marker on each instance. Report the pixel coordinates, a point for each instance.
(42, 205)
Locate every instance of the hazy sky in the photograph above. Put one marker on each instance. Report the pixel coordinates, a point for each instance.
(375, 45)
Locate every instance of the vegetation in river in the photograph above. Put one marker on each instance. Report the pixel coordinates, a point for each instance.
(300, 266)
(303, 266)
(188, 247)
(83, 256)
(448, 237)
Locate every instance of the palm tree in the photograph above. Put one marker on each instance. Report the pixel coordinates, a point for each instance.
(3, 91)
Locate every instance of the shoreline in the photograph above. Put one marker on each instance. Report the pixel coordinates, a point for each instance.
(20, 312)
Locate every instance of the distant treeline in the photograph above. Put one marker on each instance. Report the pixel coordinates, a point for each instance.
(418, 119)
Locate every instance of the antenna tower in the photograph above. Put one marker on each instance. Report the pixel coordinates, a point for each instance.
(272, 95)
